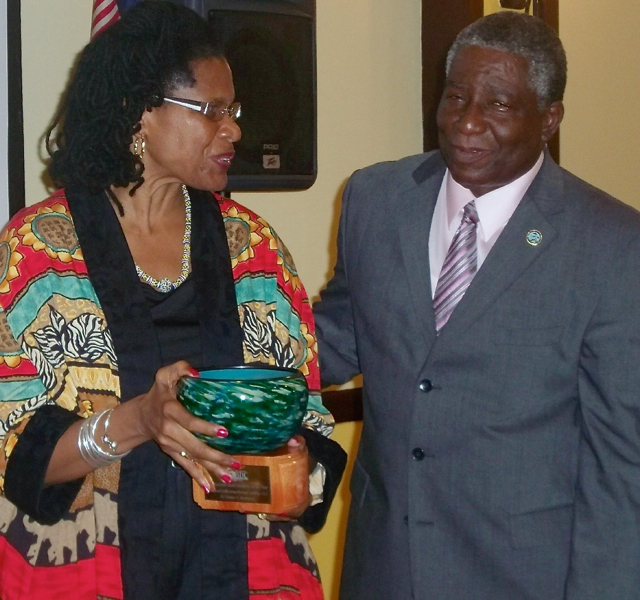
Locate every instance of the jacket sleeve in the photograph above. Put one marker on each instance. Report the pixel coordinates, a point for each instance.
(25, 472)
(605, 552)
(334, 313)
(31, 417)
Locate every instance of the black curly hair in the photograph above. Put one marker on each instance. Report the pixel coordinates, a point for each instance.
(127, 69)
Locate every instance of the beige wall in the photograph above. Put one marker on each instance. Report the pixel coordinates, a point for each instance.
(600, 135)
(369, 110)
(53, 33)
(601, 128)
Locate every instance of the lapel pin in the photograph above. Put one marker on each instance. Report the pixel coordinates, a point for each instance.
(534, 237)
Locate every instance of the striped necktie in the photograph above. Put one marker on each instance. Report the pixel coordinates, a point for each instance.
(459, 267)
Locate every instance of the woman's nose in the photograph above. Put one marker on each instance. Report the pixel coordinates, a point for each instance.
(230, 130)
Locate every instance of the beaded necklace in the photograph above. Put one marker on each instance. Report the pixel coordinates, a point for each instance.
(165, 285)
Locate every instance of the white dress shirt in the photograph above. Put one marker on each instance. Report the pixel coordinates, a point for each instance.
(494, 211)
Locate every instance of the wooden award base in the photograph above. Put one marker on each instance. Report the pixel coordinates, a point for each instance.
(275, 483)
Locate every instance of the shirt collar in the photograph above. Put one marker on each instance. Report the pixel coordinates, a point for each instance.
(494, 208)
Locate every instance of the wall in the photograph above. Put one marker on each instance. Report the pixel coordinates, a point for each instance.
(601, 128)
(599, 138)
(368, 111)
(52, 35)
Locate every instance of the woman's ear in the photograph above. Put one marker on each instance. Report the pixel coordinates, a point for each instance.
(142, 130)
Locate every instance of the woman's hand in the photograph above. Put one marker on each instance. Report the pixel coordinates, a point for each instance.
(162, 418)
(156, 415)
(297, 444)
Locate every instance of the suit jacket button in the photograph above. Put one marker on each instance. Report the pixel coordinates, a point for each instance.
(425, 386)
(418, 454)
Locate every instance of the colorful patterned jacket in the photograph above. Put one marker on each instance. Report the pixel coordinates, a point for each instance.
(56, 349)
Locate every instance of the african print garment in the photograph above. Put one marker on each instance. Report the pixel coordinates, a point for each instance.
(56, 351)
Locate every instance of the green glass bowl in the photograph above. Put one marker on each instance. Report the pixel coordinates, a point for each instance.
(261, 407)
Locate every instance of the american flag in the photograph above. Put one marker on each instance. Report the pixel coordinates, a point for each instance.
(105, 13)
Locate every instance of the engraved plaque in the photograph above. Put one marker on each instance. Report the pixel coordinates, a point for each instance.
(274, 482)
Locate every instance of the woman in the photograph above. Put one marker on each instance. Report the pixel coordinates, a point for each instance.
(114, 288)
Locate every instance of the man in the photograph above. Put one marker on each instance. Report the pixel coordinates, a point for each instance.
(500, 451)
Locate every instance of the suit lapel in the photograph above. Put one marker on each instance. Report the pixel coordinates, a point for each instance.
(512, 253)
(413, 214)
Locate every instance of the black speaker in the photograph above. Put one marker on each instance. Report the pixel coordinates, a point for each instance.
(270, 46)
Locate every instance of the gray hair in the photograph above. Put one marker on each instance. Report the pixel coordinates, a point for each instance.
(526, 36)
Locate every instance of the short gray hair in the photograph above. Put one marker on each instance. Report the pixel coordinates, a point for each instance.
(526, 36)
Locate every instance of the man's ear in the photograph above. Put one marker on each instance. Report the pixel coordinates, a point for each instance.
(552, 118)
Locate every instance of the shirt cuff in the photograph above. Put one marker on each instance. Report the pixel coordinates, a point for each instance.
(317, 479)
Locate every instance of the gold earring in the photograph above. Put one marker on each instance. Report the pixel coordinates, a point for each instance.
(139, 145)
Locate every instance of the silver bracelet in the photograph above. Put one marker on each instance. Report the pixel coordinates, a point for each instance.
(89, 449)
(113, 446)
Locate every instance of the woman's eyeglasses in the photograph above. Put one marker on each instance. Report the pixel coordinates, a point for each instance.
(214, 110)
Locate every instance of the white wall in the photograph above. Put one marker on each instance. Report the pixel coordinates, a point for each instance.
(53, 32)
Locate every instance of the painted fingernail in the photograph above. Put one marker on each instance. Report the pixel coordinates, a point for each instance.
(236, 465)
(222, 432)
(194, 373)
(226, 478)
(206, 489)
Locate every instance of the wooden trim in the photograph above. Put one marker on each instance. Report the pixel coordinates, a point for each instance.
(548, 11)
(442, 20)
(15, 134)
(345, 405)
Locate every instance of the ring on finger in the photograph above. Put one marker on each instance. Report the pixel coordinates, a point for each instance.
(185, 455)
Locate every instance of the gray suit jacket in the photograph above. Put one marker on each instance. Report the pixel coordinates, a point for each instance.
(500, 461)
